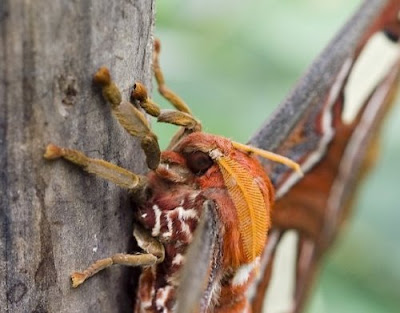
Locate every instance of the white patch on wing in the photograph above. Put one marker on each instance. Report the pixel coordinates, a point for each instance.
(157, 225)
(280, 294)
(356, 143)
(243, 272)
(373, 64)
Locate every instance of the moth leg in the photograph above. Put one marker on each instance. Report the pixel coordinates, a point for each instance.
(182, 116)
(155, 254)
(179, 118)
(106, 170)
(124, 259)
(167, 93)
(130, 117)
(148, 243)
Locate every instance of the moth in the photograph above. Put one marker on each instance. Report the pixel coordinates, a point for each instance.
(200, 179)
(207, 204)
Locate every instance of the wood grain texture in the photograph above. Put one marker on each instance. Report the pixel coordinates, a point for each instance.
(54, 218)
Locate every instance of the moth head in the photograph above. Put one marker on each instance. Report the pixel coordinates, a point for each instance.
(237, 183)
(192, 158)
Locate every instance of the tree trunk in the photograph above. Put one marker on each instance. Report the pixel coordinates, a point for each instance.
(53, 218)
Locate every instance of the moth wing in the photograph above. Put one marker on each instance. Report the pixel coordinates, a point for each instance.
(330, 130)
(202, 264)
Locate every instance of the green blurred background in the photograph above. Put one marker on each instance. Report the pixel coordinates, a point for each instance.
(233, 62)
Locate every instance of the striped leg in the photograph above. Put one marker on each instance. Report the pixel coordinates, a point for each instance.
(154, 255)
(124, 259)
(130, 117)
(106, 170)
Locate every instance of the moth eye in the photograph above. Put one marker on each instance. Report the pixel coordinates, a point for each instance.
(198, 162)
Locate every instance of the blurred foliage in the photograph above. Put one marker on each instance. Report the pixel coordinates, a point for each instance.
(233, 62)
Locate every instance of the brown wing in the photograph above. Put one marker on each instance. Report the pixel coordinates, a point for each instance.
(328, 124)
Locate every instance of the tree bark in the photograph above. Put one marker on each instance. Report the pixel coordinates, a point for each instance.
(53, 218)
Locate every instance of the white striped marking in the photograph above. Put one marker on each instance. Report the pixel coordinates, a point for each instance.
(157, 225)
(169, 225)
(186, 214)
(280, 294)
(327, 131)
(372, 65)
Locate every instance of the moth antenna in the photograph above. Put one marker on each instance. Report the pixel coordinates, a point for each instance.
(167, 93)
(270, 156)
